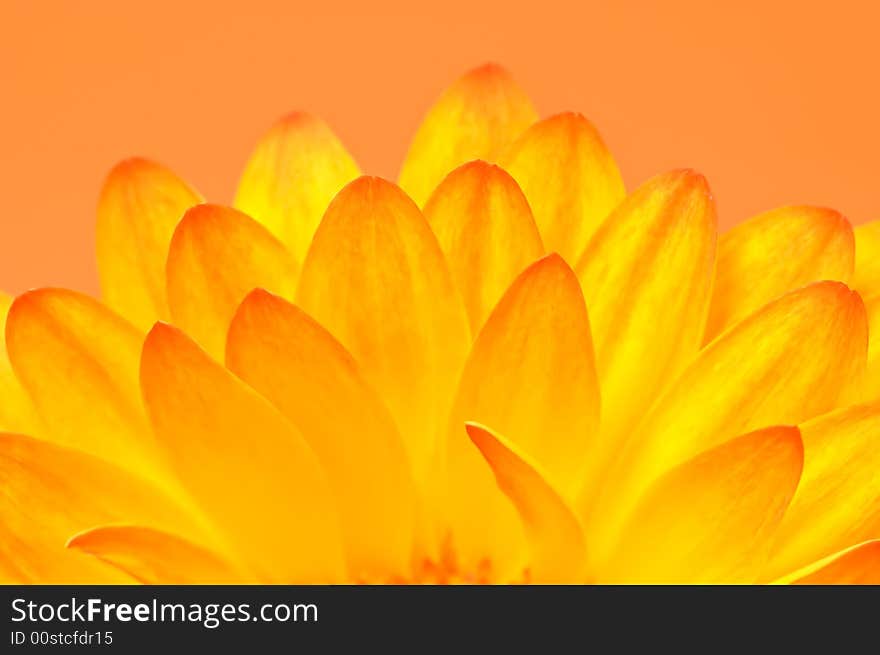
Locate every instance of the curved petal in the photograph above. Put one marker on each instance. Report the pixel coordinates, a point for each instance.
(295, 363)
(838, 501)
(858, 564)
(475, 118)
(247, 467)
(647, 277)
(872, 376)
(78, 361)
(710, 520)
(569, 177)
(376, 278)
(486, 230)
(140, 204)
(155, 557)
(16, 410)
(790, 361)
(291, 177)
(217, 256)
(51, 493)
(866, 278)
(556, 540)
(773, 253)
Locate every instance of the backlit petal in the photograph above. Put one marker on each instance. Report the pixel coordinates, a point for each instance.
(78, 361)
(376, 278)
(866, 278)
(16, 410)
(486, 230)
(217, 256)
(838, 501)
(476, 118)
(859, 564)
(872, 377)
(556, 541)
(569, 177)
(244, 463)
(710, 519)
(291, 177)
(647, 276)
(773, 253)
(50, 493)
(140, 204)
(153, 556)
(790, 361)
(295, 363)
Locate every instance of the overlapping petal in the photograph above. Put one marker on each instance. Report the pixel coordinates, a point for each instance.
(16, 411)
(248, 468)
(376, 278)
(710, 519)
(871, 390)
(295, 363)
(140, 205)
(866, 278)
(858, 564)
(476, 118)
(291, 177)
(569, 177)
(217, 256)
(776, 252)
(486, 230)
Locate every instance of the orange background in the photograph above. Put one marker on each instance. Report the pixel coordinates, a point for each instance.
(776, 102)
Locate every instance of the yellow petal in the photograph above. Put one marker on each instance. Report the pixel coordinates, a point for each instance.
(866, 278)
(475, 118)
(291, 177)
(295, 363)
(773, 253)
(16, 410)
(218, 255)
(872, 377)
(710, 519)
(569, 177)
(531, 376)
(556, 541)
(487, 232)
(858, 564)
(140, 204)
(247, 467)
(838, 501)
(50, 493)
(647, 276)
(153, 556)
(376, 278)
(791, 360)
(78, 361)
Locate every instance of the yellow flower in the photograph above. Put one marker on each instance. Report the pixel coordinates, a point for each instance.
(517, 372)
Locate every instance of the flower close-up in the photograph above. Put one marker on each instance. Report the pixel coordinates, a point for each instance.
(504, 367)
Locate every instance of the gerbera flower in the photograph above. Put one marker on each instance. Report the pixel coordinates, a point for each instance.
(495, 372)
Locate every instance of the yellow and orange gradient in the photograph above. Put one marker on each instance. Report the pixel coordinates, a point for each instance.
(506, 369)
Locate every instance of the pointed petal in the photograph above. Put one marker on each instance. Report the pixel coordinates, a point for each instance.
(858, 564)
(295, 363)
(376, 278)
(291, 177)
(556, 541)
(476, 118)
(16, 410)
(247, 467)
(776, 252)
(838, 501)
(486, 230)
(569, 177)
(710, 519)
(531, 376)
(51, 493)
(217, 256)
(866, 278)
(790, 361)
(647, 276)
(155, 557)
(140, 204)
(78, 362)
